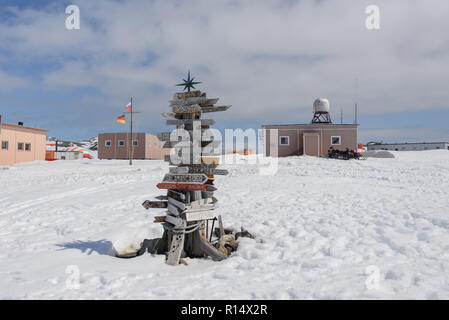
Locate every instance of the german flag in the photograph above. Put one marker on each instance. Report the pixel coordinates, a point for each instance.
(121, 119)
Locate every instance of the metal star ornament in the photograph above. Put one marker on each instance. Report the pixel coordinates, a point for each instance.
(188, 84)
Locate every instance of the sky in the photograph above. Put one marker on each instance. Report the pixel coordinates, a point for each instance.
(268, 59)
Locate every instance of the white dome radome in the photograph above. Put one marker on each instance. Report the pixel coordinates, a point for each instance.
(321, 105)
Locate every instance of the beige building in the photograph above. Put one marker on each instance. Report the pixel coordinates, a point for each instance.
(116, 146)
(21, 144)
(309, 139)
(313, 139)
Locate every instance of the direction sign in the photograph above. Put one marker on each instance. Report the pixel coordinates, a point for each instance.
(179, 196)
(190, 101)
(173, 209)
(209, 143)
(176, 203)
(200, 215)
(169, 114)
(154, 204)
(194, 108)
(193, 100)
(185, 186)
(173, 220)
(208, 109)
(203, 122)
(186, 178)
(164, 136)
(201, 169)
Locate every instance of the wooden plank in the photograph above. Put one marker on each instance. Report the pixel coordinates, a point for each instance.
(174, 210)
(208, 109)
(195, 108)
(179, 204)
(208, 143)
(179, 170)
(205, 161)
(159, 219)
(184, 186)
(173, 220)
(185, 178)
(199, 122)
(201, 215)
(210, 160)
(201, 169)
(198, 208)
(192, 100)
(211, 143)
(154, 204)
(180, 196)
(175, 250)
(169, 115)
(163, 136)
(188, 94)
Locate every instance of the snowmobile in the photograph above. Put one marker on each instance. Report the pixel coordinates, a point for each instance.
(344, 155)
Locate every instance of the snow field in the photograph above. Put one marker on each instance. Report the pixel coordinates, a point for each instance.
(326, 229)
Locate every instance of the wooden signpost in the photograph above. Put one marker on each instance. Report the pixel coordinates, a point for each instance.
(198, 122)
(190, 200)
(185, 178)
(182, 186)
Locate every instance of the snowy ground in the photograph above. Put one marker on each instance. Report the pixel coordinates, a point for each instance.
(326, 229)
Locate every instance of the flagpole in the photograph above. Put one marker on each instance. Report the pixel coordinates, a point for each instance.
(131, 138)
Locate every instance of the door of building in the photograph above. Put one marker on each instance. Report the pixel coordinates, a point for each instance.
(311, 143)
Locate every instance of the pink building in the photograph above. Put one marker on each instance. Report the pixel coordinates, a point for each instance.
(313, 139)
(21, 144)
(309, 139)
(116, 146)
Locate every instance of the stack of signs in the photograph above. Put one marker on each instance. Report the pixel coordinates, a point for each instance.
(190, 182)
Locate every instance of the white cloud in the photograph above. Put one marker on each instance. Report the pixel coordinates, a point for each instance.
(269, 59)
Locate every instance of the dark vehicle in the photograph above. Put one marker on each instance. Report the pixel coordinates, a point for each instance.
(344, 155)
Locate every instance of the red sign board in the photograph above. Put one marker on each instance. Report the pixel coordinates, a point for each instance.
(182, 186)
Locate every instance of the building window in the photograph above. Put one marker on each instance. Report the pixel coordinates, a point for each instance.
(27, 146)
(284, 140)
(4, 145)
(335, 140)
(20, 146)
(121, 143)
(135, 143)
(108, 143)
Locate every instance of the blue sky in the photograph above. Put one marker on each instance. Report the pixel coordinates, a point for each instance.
(269, 59)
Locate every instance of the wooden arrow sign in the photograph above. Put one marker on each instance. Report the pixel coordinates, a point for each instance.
(208, 109)
(179, 196)
(193, 100)
(200, 169)
(202, 122)
(186, 178)
(154, 204)
(205, 161)
(164, 136)
(173, 220)
(210, 143)
(169, 115)
(187, 109)
(185, 186)
(200, 215)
